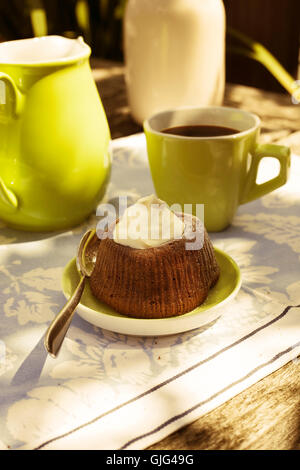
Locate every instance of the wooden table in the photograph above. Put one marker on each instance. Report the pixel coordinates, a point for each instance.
(266, 415)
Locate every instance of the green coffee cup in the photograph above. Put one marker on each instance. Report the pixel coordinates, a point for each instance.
(219, 172)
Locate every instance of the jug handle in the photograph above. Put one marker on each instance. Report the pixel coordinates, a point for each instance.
(18, 97)
(7, 197)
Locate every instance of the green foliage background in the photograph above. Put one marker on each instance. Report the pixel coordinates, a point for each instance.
(98, 21)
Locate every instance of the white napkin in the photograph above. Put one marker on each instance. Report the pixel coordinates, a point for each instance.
(111, 391)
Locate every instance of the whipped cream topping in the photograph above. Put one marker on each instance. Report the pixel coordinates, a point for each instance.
(148, 223)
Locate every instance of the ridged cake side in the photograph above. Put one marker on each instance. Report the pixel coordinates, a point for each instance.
(156, 282)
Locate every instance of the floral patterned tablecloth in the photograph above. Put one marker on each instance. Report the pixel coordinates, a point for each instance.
(111, 391)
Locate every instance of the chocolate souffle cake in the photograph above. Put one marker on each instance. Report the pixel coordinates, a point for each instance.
(154, 277)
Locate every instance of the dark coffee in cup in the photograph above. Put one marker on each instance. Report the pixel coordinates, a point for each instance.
(200, 131)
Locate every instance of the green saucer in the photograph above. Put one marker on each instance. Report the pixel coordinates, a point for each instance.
(100, 314)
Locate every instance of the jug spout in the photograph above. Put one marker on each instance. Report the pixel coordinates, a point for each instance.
(8, 200)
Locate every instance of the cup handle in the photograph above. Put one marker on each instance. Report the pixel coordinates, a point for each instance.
(254, 190)
(5, 96)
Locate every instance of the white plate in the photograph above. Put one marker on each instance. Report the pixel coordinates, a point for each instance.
(100, 314)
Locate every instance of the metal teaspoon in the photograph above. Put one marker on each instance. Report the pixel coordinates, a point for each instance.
(85, 262)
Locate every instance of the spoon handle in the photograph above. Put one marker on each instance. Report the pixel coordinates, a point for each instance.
(58, 328)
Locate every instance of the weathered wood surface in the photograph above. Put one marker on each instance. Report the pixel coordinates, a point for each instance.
(266, 415)
(280, 117)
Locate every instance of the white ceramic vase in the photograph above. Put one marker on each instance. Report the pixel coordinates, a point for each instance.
(174, 54)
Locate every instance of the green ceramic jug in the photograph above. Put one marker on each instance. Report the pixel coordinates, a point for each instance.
(54, 136)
